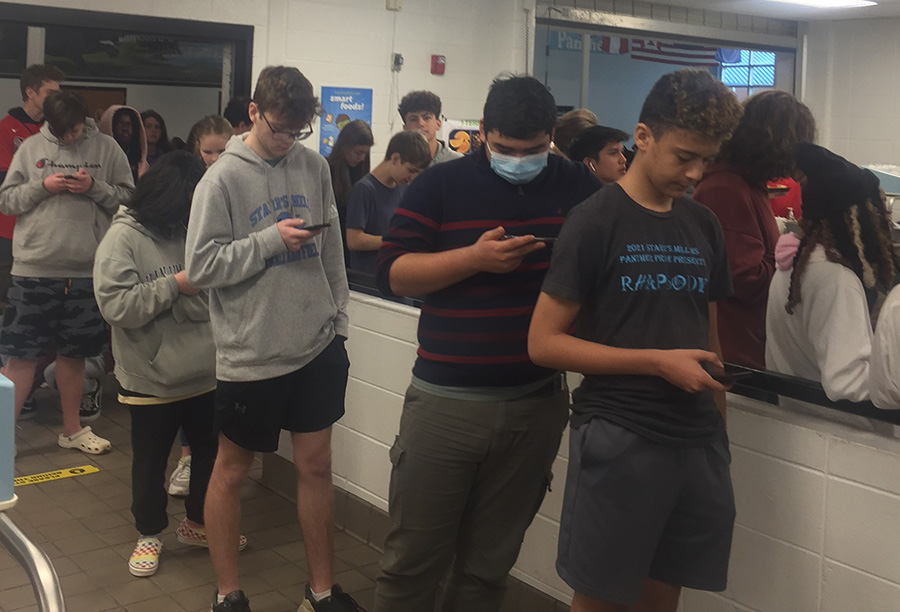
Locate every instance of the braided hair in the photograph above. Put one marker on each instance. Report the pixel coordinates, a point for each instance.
(858, 238)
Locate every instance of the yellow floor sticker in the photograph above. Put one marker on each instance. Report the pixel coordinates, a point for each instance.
(56, 475)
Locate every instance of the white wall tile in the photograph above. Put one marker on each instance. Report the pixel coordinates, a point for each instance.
(380, 359)
(777, 438)
(704, 601)
(861, 529)
(372, 411)
(771, 576)
(780, 499)
(537, 559)
(865, 464)
(845, 589)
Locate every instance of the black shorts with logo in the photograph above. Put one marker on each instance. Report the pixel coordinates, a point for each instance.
(252, 414)
(43, 313)
(635, 509)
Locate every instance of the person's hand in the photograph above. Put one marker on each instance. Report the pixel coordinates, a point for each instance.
(81, 181)
(55, 183)
(493, 254)
(293, 236)
(684, 369)
(183, 285)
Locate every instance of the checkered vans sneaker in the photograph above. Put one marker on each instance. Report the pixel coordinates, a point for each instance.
(197, 537)
(144, 560)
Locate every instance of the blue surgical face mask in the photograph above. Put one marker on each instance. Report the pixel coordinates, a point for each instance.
(518, 170)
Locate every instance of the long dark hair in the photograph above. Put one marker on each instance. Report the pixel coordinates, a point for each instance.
(162, 198)
(355, 133)
(163, 146)
(765, 141)
(858, 238)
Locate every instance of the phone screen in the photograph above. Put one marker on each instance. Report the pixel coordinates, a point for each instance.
(311, 228)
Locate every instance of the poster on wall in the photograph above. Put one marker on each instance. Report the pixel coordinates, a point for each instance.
(461, 135)
(340, 106)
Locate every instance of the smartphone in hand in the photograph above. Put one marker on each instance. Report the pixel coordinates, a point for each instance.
(548, 240)
(311, 228)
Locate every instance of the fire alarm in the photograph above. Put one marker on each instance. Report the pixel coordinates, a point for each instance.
(438, 63)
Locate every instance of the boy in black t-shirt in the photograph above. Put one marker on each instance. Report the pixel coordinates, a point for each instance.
(648, 506)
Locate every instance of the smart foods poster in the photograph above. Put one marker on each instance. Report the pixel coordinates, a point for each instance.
(340, 106)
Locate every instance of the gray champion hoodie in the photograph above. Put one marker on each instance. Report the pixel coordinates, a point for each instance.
(56, 235)
(162, 338)
(272, 310)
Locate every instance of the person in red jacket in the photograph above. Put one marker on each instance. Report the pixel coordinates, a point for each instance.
(734, 188)
(23, 121)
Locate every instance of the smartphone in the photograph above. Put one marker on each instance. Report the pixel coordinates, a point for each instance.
(311, 228)
(729, 378)
(546, 240)
(68, 176)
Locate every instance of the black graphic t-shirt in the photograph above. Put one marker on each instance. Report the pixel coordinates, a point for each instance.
(644, 280)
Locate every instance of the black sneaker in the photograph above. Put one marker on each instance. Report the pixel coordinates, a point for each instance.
(90, 404)
(29, 409)
(235, 601)
(337, 602)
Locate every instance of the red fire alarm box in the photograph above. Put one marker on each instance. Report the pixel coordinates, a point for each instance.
(438, 63)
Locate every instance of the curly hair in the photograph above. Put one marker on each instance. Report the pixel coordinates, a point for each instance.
(691, 99)
(764, 144)
(860, 240)
(285, 92)
(418, 101)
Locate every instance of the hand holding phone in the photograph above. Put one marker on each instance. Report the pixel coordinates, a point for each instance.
(548, 240)
(729, 378)
(312, 228)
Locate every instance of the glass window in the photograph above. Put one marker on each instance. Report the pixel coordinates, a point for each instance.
(752, 73)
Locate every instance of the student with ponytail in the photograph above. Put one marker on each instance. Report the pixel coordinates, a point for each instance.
(821, 301)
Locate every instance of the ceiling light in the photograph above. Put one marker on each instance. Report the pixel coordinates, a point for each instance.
(829, 3)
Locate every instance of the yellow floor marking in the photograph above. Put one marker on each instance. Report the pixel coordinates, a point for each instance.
(56, 475)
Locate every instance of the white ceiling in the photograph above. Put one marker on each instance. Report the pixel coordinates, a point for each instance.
(766, 8)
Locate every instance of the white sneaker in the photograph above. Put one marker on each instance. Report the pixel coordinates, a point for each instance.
(180, 480)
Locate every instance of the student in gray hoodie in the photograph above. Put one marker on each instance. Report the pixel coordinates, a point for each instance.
(278, 305)
(162, 339)
(64, 184)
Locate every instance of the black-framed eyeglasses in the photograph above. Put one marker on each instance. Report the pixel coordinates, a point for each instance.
(301, 135)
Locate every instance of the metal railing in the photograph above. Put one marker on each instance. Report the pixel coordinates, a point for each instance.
(47, 590)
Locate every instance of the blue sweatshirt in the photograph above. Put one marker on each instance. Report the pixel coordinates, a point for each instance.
(474, 333)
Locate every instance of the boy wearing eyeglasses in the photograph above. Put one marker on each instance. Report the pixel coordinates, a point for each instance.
(278, 307)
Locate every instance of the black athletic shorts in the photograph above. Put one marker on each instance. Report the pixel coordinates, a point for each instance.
(45, 312)
(252, 414)
(635, 509)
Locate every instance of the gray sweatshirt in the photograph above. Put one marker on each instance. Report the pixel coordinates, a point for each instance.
(162, 339)
(56, 235)
(272, 310)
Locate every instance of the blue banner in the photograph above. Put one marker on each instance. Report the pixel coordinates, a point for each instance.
(340, 106)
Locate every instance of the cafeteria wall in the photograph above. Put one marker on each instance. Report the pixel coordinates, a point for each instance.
(350, 42)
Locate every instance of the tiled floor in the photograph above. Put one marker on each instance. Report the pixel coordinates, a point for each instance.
(85, 525)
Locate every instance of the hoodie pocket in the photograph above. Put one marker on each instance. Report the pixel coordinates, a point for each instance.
(183, 357)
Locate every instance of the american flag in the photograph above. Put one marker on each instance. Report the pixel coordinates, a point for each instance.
(677, 54)
(609, 44)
